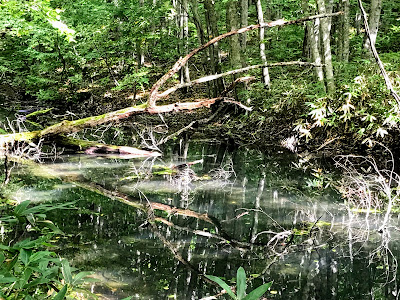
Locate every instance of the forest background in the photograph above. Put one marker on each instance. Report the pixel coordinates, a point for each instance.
(91, 57)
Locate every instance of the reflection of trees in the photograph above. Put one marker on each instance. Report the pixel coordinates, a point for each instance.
(160, 240)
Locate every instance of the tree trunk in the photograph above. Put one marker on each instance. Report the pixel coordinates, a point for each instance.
(244, 15)
(201, 38)
(212, 29)
(326, 43)
(373, 23)
(197, 21)
(313, 37)
(260, 18)
(346, 30)
(232, 24)
(184, 38)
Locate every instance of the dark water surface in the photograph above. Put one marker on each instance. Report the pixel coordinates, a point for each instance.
(251, 195)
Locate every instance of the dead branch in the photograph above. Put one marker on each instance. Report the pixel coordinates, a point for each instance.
(155, 95)
(232, 72)
(91, 147)
(67, 127)
(376, 56)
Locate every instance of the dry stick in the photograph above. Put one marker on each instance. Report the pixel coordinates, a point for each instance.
(376, 56)
(154, 95)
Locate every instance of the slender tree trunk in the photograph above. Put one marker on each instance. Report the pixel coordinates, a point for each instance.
(212, 29)
(183, 36)
(326, 43)
(244, 15)
(373, 23)
(197, 21)
(313, 37)
(260, 18)
(202, 40)
(232, 24)
(234, 44)
(346, 30)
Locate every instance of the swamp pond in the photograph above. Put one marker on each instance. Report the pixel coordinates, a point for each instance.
(224, 208)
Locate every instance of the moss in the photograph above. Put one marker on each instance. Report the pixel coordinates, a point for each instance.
(162, 170)
(38, 113)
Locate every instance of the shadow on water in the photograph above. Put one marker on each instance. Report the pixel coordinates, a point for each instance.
(229, 208)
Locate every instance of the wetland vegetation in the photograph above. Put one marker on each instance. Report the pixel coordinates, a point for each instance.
(243, 149)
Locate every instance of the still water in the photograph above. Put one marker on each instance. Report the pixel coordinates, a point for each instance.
(266, 211)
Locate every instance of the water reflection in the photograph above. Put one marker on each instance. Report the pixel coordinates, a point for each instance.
(245, 209)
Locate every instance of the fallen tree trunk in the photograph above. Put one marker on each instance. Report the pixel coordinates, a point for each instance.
(67, 127)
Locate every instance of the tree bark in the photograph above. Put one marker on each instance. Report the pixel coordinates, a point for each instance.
(376, 56)
(313, 37)
(346, 30)
(244, 15)
(212, 29)
(184, 37)
(373, 23)
(260, 18)
(326, 43)
(201, 38)
(232, 25)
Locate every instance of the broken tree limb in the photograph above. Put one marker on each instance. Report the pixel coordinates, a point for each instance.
(96, 148)
(216, 76)
(154, 95)
(67, 127)
(376, 56)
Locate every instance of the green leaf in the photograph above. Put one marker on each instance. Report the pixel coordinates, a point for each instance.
(36, 282)
(24, 256)
(258, 292)
(25, 277)
(66, 271)
(20, 208)
(49, 224)
(80, 276)
(8, 279)
(61, 294)
(40, 255)
(241, 283)
(223, 285)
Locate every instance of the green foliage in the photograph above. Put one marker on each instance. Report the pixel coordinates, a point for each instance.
(241, 287)
(28, 270)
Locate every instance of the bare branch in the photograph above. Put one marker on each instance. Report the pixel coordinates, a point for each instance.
(216, 76)
(376, 56)
(155, 95)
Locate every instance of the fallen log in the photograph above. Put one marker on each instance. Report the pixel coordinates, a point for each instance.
(66, 127)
